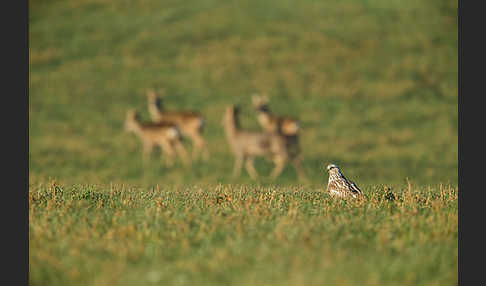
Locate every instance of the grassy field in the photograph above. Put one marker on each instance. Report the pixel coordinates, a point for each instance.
(240, 235)
(374, 84)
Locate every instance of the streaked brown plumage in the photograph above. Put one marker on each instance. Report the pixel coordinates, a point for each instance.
(339, 186)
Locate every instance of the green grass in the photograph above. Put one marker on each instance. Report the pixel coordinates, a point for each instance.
(374, 84)
(240, 235)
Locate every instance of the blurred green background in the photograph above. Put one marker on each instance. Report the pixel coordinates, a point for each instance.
(374, 84)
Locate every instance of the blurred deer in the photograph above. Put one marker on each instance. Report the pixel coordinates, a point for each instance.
(190, 123)
(246, 145)
(270, 122)
(163, 134)
(286, 126)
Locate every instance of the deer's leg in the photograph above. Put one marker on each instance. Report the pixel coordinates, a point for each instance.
(168, 152)
(251, 168)
(181, 151)
(205, 151)
(196, 147)
(279, 166)
(297, 164)
(238, 164)
(199, 147)
(147, 149)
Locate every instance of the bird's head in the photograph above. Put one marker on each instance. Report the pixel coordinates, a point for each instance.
(332, 169)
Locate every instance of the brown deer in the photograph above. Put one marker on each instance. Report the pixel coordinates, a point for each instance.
(282, 125)
(270, 122)
(246, 145)
(190, 123)
(163, 134)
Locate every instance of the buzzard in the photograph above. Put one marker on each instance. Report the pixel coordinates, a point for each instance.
(339, 186)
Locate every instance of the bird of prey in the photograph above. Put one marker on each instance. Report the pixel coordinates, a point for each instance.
(339, 186)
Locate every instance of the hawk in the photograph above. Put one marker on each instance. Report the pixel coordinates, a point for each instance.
(339, 186)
